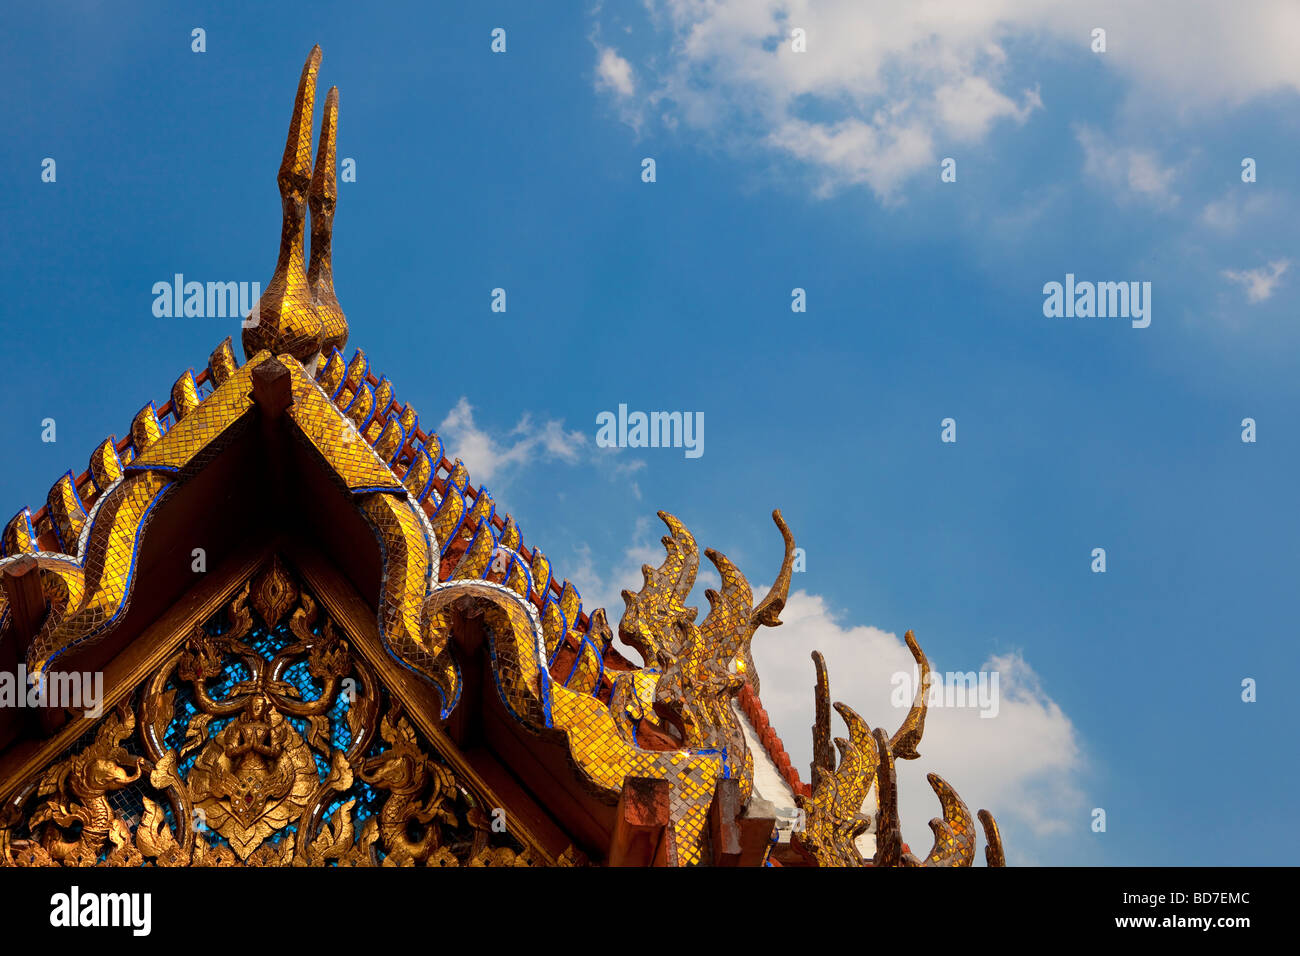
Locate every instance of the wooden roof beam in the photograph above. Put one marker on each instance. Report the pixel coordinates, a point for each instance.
(27, 607)
(640, 823)
(737, 840)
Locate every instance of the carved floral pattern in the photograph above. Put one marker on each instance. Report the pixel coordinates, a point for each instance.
(273, 745)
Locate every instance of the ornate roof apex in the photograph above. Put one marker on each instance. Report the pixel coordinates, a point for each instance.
(299, 313)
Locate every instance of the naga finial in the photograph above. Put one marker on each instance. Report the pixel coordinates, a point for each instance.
(287, 319)
(834, 820)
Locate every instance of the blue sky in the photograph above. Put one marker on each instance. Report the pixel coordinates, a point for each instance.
(774, 170)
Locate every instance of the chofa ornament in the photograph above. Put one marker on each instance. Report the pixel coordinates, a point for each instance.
(833, 811)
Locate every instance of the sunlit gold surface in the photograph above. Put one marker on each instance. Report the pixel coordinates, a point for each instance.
(834, 818)
(256, 774)
(258, 791)
(286, 319)
(321, 197)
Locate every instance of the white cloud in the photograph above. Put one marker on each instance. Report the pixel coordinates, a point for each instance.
(884, 89)
(869, 102)
(1025, 765)
(969, 106)
(1194, 55)
(1126, 171)
(880, 155)
(1238, 204)
(1259, 283)
(614, 73)
(496, 458)
(490, 457)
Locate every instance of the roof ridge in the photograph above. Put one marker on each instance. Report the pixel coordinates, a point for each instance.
(55, 526)
(752, 707)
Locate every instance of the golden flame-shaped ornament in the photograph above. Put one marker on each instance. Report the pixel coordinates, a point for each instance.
(285, 318)
(321, 198)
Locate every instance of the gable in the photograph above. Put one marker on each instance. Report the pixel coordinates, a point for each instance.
(265, 738)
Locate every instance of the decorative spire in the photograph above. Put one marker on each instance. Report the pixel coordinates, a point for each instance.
(324, 193)
(286, 319)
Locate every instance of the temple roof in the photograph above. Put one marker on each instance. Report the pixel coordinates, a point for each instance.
(667, 762)
(414, 461)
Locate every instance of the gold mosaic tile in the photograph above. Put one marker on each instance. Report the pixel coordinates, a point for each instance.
(193, 434)
(67, 513)
(345, 450)
(287, 320)
(105, 464)
(222, 364)
(19, 536)
(108, 562)
(185, 395)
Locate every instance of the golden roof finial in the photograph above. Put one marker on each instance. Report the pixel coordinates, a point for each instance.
(322, 196)
(287, 320)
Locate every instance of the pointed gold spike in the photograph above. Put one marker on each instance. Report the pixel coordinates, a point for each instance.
(409, 418)
(383, 397)
(570, 603)
(433, 445)
(863, 745)
(459, 476)
(889, 833)
(19, 536)
(295, 167)
(145, 429)
(330, 376)
(286, 319)
(904, 743)
(725, 630)
(823, 757)
(362, 406)
(67, 513)
(651, 613)
(222, 363)
(483, 508)
(768, 612)
(185, 395)
(389, 441)
(322, 196)
(446, 520)
(474, 562)
(553, 628)
(598, 631)
(993, 853)
(517, 579)
(954, 832)
(105, 464)
(358, 368)
(510, 537)
(541, 574)
(417, 474)
(683, 560)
